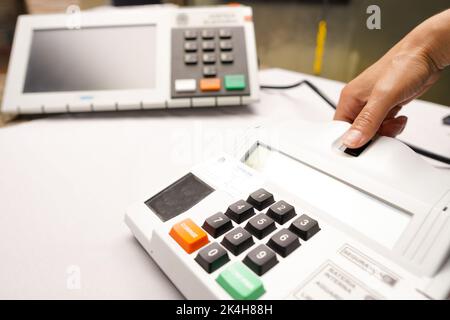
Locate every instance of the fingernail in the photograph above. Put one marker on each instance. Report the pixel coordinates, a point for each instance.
(352, 138)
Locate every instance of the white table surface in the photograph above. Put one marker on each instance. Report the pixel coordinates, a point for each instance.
(65, 182)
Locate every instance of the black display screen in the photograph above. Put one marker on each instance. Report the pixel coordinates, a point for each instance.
(92, 59)
(179, 197)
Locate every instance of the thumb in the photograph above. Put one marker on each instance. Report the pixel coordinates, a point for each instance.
(407, 76)
(369, 120)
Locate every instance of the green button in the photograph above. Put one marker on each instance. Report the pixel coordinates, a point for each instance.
(235, 82)
(240, 282)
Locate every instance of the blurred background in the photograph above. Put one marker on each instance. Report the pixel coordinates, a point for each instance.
(286, 32)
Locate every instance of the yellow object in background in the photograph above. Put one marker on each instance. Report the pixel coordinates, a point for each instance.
(320, 45)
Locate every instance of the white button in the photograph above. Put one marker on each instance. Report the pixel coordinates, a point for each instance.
(185, 85)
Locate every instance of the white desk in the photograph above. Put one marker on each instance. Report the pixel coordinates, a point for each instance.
(66, 180)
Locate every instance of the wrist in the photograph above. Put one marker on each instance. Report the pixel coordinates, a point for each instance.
(433, 37)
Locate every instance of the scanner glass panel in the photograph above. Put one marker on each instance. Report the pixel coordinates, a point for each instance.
(90, 59)
(364, 213)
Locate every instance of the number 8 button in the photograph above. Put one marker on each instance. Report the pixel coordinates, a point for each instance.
(237, 241)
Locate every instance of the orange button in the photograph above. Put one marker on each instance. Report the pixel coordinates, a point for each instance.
(188, 235)
(212, 84)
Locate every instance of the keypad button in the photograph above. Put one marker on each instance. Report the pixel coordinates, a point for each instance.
(225, 33)
(190, 34)
(208, 34)
(208, 45)
(261, 199)
(304, 227)
(281, 212)
(235, 82)
(190, 46)
(260, 226)
(185, 85)
(226, 45)
(188, 235)
(240, 211)
(240, 282)
(190, 58)
(209, 58)
(217, 224)
(284, 242)
(226, 57)
(210, 84)
(209, 71)
(212, 257)
(237, 241)
(261, 259)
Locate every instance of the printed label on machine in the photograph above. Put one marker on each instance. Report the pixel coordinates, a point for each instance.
(369, 265)
(331, 282)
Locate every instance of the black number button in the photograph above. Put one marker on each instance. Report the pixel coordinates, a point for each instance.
(261, 259)
(209, 71)
(208, 45)
(225, 33)
(281, 212)
(226, 57)
(261, 199)
(212, 257)
(209, 58)
(284, 242)
(237, 241)
(190, 46)
(208, 34)
(190, 34)
(226, 45)
(260, 226)
(190, 58)
(305, 227)
(217, 224)
(240, 211)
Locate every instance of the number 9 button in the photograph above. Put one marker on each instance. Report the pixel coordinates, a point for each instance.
(261, 259)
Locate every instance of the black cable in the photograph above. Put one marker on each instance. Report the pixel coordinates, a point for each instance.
(418, 150)
(309, 84)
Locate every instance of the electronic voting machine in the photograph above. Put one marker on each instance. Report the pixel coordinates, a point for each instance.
(132, 59)
(291, 216)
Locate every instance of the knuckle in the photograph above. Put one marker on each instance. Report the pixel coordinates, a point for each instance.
(348, 92)
(366, 121)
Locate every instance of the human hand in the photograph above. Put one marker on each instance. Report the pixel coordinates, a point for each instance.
(372, 100)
